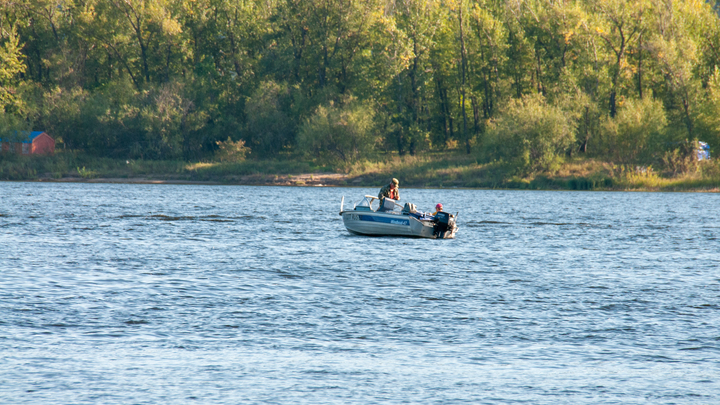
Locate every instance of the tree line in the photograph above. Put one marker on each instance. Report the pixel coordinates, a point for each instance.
(527, 81)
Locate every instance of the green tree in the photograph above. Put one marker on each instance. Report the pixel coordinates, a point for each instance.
(519, 51)
(231, 151)
(488, 56)
(619, 24)
(637, 133)
(134, 31)
(709, 114)
(530, 133)
(339, 133)
(677, 54)
(321, 39)
(11, 65)
(417, 22)
(270, 126)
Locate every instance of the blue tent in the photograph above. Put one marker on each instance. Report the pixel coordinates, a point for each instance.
(22, 136)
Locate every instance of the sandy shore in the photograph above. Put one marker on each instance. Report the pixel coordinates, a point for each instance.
(308, 179)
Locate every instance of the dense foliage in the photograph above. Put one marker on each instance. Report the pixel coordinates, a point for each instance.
(528, 81)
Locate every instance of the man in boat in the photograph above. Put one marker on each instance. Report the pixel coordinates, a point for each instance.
(443, 223)
(391, 191)
(439, 208)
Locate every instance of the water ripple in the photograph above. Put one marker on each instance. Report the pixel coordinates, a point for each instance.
(176, 294)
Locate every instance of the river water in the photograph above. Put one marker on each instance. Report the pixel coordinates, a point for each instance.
(149, 294)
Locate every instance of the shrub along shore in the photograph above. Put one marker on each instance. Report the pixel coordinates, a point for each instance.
(440, 170)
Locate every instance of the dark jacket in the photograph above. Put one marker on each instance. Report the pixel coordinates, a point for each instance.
(385, 192)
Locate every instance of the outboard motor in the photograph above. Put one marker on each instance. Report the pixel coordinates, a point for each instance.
(443, 222)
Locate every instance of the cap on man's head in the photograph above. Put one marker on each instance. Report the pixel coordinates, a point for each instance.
(438, 207)
(395, 182)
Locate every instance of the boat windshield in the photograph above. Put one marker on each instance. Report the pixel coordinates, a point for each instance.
(364, 205)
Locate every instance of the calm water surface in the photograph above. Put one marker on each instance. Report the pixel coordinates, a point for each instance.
(226, 295)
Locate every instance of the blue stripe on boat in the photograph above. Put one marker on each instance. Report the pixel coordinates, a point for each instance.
(386, 220)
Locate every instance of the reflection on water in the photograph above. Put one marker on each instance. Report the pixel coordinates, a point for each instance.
(225, 294)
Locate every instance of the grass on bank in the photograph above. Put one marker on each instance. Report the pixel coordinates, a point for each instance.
(442, 170)
(78, 165)
(579, 173)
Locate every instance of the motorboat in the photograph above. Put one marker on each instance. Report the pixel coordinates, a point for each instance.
(390, 220)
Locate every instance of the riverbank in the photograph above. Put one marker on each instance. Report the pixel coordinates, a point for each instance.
(343, 180)
(306, 179)
(433, 171)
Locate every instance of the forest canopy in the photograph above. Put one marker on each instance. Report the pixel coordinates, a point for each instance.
(528, 81)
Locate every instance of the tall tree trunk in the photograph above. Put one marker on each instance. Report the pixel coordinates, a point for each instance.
(167, 62)
(540, 87)
(476, 114)
(583, 147)
(688, 118)
(399, 138)
(640, 72)
(444, 107)
(615, 78)
(463, 67)
(413, 83)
